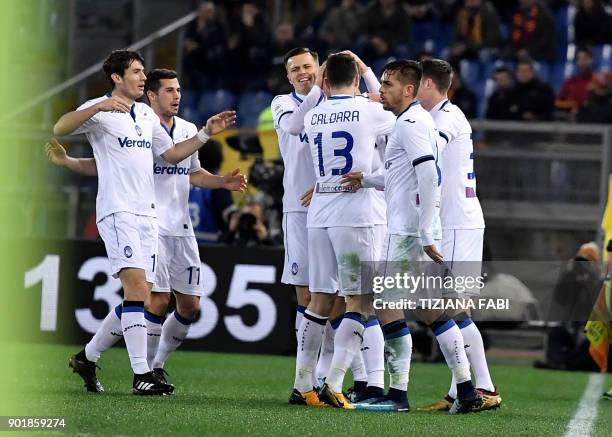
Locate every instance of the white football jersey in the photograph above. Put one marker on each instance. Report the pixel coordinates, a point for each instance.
(378, 167)
(294, 149)
(172, 185)
(459, 208)
(123, 145)
(342, 133)
(412, 142)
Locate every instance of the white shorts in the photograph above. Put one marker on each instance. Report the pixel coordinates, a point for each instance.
(462, 244)
(380, 232)
(462, 251)
(131, 242)
(335, 256)
(179, 266)
(295, 271)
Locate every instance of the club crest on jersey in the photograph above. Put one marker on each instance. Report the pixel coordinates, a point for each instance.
(294, 269)
(127, 251)
(138, 130)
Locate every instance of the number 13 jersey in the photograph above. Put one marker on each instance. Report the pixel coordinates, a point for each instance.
(342, 134)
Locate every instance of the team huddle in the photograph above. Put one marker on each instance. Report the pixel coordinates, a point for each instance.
(384, 180)
(390, 182)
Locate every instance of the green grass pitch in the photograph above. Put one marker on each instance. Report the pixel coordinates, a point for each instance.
(232, 394)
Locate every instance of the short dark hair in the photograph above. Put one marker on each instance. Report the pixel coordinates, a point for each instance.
(585, 49)
(155, 76)
(341, 70)
(502, 69)
(299, 51)
(408, 72)
(439, 71)
(118, 61)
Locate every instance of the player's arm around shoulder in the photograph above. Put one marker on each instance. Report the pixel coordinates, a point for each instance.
(70, 122)
(214, 125)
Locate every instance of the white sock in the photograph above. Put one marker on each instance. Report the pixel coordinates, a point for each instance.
(451, 343)
(346, 343)
(154, 330)
(373, 351)
(299, 315)
(173, 333)
(310, 337)
(135, 336)
(327, 351)
(109, 333)
(398, 352)
(358, 367)
(474, 349)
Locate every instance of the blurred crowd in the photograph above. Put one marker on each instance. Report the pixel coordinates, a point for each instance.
(515, 59)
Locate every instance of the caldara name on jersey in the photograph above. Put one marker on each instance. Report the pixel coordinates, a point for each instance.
(175, 169)
(128, 142)
(335, 117)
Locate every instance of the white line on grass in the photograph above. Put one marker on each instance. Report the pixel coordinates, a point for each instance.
(581, 424)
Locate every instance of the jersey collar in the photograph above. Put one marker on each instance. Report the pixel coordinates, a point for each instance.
(415, 103)
(297, 97)
(171, 131)
(440, 106)
(132, 111)
(339, 97)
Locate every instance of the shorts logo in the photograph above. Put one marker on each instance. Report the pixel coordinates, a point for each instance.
(138, 130)
(127, 251)
(294, 269)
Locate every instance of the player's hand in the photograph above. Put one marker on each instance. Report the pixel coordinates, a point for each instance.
(360, 64)
(374, 97)
(307, 197)
(433, 253)
(234, 181)
(114, 104)
(56, 153)
(354, 180)
(217, 123)
(321, 75)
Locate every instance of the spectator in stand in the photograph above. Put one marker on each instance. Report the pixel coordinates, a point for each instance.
(477, 34)
(502, 103)
(533, 32)
(284, 40)
(462, 96)
(593, 25)
(535, 99)
(598, 107)
(250, 41)
(575, 90)
(387, 30)
(341, 26)
(205, 48)
(210, 209)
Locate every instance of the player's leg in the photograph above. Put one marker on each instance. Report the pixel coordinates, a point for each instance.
(373, 345)
(323, 285)
(155, 310)
(176, 328)
(84, 362)
(295, 270)
(138, 237)
(185, 281)
(157, 305)
(352, 247)
(327, 348)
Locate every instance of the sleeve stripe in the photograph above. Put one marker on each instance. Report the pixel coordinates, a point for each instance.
(422, 159)
(443, 135)
(282, 115)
